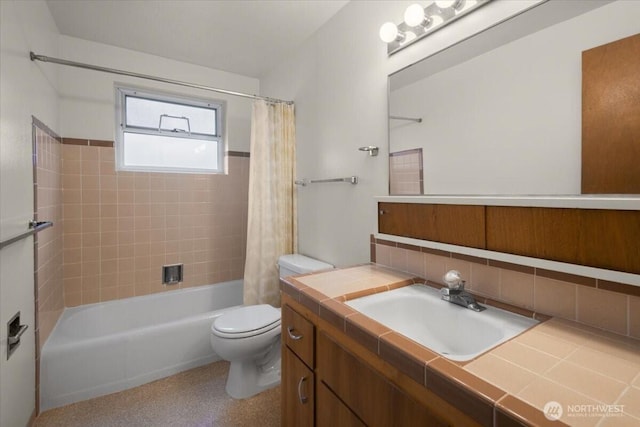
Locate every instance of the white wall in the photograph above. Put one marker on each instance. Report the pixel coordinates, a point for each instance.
(87, 97)
(509, 121)
(26, 89)
(338, 79)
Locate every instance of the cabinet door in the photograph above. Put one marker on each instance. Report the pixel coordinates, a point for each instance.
(594, 237)
(332, 412)
(297, 391)
(408, 412)
(373, 399)
(455, 224)
(366, 393)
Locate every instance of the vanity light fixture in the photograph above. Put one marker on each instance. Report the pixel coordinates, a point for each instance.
(420, 21)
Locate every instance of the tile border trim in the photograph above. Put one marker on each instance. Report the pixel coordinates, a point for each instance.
(110, 144)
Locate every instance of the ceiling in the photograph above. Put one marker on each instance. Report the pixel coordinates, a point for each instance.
(247, 37)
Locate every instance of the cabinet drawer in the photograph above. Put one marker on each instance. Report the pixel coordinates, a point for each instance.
(297, 333)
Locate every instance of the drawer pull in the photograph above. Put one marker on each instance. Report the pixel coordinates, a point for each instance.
(303, 399)
(292, 335)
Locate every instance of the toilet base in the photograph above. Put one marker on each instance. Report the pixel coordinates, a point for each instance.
(246, 379)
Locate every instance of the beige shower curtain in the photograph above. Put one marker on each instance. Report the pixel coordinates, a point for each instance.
(272, 226)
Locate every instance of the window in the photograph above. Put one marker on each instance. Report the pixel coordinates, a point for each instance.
(164, 133)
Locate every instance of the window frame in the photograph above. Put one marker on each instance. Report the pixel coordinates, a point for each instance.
(121, 94)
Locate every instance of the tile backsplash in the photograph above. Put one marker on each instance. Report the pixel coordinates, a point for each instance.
(120, 228)
(606, 305)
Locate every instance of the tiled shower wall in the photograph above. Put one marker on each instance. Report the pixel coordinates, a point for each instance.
(120, 228)
(606, 305)
(48, 207)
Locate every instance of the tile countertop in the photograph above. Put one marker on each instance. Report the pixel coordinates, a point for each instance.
(593, 375)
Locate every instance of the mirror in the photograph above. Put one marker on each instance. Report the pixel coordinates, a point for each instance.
(500, 113)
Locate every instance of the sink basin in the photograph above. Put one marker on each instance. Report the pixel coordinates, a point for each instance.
(454, 332)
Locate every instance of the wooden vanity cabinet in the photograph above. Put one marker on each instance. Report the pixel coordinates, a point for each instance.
(347, 389)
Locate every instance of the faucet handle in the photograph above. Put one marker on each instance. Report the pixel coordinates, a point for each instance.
(453, 280)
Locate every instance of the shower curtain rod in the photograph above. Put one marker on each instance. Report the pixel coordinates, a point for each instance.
(35, 57)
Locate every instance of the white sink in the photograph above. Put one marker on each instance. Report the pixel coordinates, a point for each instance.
(454, 332)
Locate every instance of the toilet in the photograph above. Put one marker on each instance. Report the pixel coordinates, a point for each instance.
(249, 337)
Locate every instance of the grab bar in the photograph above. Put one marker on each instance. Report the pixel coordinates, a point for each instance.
(304, 182)
(34, 227)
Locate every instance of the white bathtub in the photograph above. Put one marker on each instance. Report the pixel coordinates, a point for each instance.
(102, 348)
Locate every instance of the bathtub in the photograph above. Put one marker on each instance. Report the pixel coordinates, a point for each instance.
(102, 348)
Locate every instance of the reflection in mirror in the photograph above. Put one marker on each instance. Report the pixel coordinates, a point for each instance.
(405, 172)
(504, 118)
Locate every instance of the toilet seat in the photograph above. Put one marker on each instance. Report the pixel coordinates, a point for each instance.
(247, 321)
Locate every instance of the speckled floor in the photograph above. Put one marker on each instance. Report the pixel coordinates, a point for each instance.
(188, 399)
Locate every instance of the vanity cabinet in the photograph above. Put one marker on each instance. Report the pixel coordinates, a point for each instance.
(344, 385)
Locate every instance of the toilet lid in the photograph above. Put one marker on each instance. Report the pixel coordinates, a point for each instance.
(253, 318)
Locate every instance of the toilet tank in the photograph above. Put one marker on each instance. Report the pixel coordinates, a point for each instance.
(292, 264)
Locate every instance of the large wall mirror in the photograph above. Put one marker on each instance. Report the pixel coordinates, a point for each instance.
(500, 113)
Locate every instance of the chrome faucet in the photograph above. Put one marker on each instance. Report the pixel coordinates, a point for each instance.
(455, 293)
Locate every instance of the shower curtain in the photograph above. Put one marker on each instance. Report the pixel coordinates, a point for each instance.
(272, 223)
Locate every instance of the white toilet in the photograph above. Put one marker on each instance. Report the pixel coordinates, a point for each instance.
(249, 337)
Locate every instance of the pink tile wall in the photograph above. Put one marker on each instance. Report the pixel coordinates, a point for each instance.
(405, 172)
(121, 227)
(575, 298)
(48, 207)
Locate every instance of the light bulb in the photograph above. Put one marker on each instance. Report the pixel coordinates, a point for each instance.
(388, 32)
(445, 4)
(414, 15)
